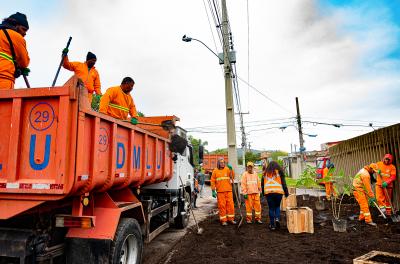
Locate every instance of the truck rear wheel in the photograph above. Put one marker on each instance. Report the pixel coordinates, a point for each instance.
(127, 246)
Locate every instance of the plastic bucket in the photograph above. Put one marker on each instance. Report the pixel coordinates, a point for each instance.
(339, 225)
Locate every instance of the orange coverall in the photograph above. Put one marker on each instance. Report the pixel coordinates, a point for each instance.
(251, 185)
(363, 191)
(90, 78)
(7, 68)
(388, 174)
(221, 181)
(117, 104)
(328, 185)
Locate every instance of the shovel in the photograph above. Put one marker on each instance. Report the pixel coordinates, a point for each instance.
(377, 207)
(199, 229)
(395, 218)
(238, 202)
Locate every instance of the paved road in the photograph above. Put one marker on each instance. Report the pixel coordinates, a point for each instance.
(157, 249)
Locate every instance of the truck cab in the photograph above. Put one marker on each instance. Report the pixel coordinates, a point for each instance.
(320, 164)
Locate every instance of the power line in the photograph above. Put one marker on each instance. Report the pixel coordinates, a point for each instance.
(268, 98)
(209, 23)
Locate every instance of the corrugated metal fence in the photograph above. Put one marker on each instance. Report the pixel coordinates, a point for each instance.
(351, 155)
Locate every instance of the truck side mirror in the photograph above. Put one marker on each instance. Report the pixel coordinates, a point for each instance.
(201, 154)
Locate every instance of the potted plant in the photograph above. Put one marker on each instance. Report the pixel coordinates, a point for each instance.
(342, 186)
(307, 180)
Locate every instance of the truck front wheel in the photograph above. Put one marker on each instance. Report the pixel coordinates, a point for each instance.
(127, 246)
(182, 219)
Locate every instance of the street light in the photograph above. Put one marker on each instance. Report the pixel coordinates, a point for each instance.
(189, 39)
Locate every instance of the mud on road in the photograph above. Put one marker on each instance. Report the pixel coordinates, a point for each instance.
(254, 243)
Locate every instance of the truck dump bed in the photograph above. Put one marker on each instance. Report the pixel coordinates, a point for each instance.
(52, 145)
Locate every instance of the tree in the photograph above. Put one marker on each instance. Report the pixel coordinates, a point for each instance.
(250, 156)
(278, 153)
(195, 144)
(220, 151)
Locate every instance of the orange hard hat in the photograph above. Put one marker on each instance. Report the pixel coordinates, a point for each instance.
(374, 166)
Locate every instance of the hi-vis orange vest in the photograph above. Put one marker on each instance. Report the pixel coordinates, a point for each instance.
(388, 174)
(273, 183)
(221, 180)
(250, 183)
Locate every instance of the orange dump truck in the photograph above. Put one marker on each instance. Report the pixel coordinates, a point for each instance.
(77, 186)
(210, 163)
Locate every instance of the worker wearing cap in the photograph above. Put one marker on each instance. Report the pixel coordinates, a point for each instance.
(363, 192)
(221, 186)
(251, 188)
(12, 64)
(117, 101)
(328, 181)
(86, 72)
(385, 178)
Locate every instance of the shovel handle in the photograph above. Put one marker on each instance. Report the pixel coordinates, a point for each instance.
(26, 81)
(377, 207)
(61, 62)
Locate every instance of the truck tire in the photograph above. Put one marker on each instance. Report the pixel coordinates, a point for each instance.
(182, 219)
(127, 246)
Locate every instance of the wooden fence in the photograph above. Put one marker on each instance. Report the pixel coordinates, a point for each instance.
(351, 155)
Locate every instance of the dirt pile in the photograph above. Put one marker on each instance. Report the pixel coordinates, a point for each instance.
(254, 243)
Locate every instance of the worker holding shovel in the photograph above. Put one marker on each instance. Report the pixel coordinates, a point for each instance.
(251, 188)
(221, 186)
(363, 192)
(384, 183)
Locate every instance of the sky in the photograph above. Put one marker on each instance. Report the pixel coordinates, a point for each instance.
(340, 58)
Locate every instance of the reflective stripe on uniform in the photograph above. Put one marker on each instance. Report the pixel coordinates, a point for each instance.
(257, 213)
(249, 214)
(367, 214)
(222, 217)
(6, 56)
(119, 107)
(231, 215)
(222, 178)
(251, 182)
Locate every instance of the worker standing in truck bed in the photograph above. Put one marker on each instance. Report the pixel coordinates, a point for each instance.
(117, 101)
(86, 72)
(14, 58)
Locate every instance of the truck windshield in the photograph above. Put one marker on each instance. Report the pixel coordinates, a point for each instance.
(320, 164)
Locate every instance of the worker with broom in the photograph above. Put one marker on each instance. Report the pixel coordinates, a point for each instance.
(363, 192)
(384, 183)
(221, 187)
(251, 188)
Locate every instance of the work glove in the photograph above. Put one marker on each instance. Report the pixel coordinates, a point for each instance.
(245, 196)
(371, 201)
(65, 52)
(214, 193)
(25, 71)
(379, 172)
(134, 121)
(229, 166)
(384, 184)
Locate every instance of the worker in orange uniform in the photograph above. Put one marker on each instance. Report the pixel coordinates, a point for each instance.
(221, 186)
(117, 101)
(251, 188)
(363, 192)
(327, 173)
(86, 72)
(14, 58)
(385, 178)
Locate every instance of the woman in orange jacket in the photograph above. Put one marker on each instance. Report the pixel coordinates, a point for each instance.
(274, 188)
(251, 189)
(12, 66)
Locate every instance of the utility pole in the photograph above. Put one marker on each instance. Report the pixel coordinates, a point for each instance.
(299, 126)
(302, 149)
(230, 115)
